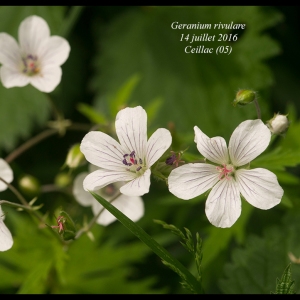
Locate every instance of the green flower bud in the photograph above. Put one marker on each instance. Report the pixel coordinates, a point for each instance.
(29, 185)
(62, 180)
(244, 97)
(74, 157)
(279, 124)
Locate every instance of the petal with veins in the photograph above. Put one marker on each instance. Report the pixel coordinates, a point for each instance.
(10, 55)
(11, 78)
(6, 240)
(191, 180)
(33, 32)
(248, 141)
(6, 173)
(259, 187)
(132, 207)
(101, 178)
(214, 149)
(138, 186)
(158, 143)
(223, 205)
(131, 129)
(103, 151)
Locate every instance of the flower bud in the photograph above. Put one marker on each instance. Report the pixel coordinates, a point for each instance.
(244, 97)
(279, 124)
(74, 157)
(62, 180)
(29, 185)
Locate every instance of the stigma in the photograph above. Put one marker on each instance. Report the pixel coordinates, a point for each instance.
(225, 171)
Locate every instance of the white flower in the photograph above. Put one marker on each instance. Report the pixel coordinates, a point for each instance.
(230, 178)
(131, 206)
(129, 161)
(279, 124)
(36, 60)
(6, 173)
(6, 240)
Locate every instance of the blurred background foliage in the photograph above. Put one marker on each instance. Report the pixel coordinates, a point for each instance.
(130, 56)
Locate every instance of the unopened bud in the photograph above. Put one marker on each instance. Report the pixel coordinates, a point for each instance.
(244, 97)
(279, 124)
(74, 157)
(62, 180)
(29, 185)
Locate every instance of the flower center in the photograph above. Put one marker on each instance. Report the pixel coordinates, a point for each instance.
(31, 65)
(225, 171)
(134, 164)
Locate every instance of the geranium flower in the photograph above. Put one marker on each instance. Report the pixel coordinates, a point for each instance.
(230, 177)
(6, 173)
(36, 60)
(6, 240)
(131, 206)
(128, 161)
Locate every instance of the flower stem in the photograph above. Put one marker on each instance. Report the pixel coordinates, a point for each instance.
(31, 142)
(93, 221)
(70, 20)
(257, 108)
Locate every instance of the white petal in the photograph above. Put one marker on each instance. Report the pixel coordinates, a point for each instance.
(54, 51)
(138, 186)
(6, 173)
(101, 178)
(48, 78)
(214, 149)
(223, 205)
(10, 55)
(33, 32)
(248, 141)
(12, 78)
(82, 196)
(131, 128)
(6, 240)
(191, 180)
(132, 207)
(103, 151)
(259, 187)
(158, 143)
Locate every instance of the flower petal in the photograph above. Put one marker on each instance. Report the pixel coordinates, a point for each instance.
(82, 196)
(101, 178)
(54, 51)
(6, 240)
(214, 149)
(103, 151)
(10, 55)
(191, 180)
(6, 173)
(158, 143)
(248, 141)
(12, 78)
(131, 128)
(132, 207)
(33, 32)
(48, 78)
(138, 186)
(223, 205)
(259, 187)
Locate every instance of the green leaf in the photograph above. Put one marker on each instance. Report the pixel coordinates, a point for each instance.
(152, 244)
(285, 285)
(253, 268)
(22, 110)
(93, 115)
